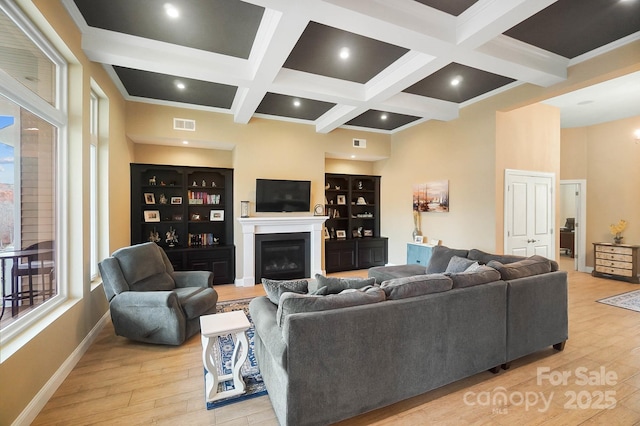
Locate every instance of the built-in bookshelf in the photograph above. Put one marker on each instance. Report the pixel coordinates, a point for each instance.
(188, 211)
(353, 239)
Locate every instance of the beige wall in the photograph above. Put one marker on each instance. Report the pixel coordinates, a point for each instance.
(260, 149)
(37, 357)
(607, 156)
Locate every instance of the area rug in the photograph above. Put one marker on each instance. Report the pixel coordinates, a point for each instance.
(629, 300)
(224, 350)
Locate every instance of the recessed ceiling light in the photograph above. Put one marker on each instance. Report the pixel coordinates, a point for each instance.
(585, 102)
(456, 80)
(180, 85)
(344, 53)
(185, 142)
(383, 117)
(353, 156)
(31, 129)
(171, 10)
(296, 103)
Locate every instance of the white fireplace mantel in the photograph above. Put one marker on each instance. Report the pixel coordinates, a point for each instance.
(278, 225)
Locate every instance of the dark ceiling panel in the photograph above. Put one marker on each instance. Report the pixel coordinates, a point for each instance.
(572, 27)
(227, 27)
(373, 119)
(452, 7)
(317, 52)
(283, 106)
(473, 82)
(152, 85)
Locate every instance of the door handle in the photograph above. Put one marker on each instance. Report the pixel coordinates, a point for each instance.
(531, 241)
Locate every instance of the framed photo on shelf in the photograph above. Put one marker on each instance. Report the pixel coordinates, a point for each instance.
(216, 215)
(149, 198)
(367, 233)
(195, 217)
(341, 234)
(152, 216)
(419, 239)
(326, 233)
(177, 217)
(342, 199)
(176, 200)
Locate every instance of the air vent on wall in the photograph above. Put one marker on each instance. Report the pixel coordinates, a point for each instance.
(184, 124)
(359, 143)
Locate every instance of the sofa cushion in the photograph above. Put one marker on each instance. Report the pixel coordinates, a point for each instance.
(383, 273)
(483, 257)
(275, 288)
(293, 303)
(474, 276)
(458, 264)
(533, 265)
(143, 268)
(335, 284)
(440, 257)
(322, 291)
(197, 301)
(417, 285)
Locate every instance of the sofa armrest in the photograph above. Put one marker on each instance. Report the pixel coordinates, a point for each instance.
(149, 316)
(202, 279)
(263, 314)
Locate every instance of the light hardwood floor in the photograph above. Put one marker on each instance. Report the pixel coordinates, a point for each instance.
(122, 382)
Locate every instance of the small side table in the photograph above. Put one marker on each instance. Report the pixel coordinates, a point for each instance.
(211, 327)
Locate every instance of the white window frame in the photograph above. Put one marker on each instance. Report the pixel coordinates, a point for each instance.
(94, 235)
(56, 115)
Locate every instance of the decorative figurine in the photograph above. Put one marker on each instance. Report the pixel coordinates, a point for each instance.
(163, 199)
(204, 183)
(213, 184)
(194, 183)
(359, 184)
(172, 237)
(152, 181)
(154, 236)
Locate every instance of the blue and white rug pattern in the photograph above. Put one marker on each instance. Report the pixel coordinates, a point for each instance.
(224, 351)
(629, 300)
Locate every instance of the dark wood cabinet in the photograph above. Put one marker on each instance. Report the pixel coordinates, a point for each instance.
(352, 203)
(188, 211)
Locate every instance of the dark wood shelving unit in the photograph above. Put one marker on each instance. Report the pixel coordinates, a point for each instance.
(196, 203)
(353, 206)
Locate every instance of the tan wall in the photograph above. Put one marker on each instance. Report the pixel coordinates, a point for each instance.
(613, 181)
(260, 149)
(528, 139)
(348, 167)
(573, 153)
(32, 364)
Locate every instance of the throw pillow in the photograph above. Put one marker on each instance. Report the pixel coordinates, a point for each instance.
(458, 264)
(276, 288)
(322, 291)
(533, 265)
(473, 267)
(481, 275)
(335, 285)
(293, 303)
(440, 257)
(417, 285)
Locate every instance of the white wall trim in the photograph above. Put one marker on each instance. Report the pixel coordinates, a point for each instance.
(32, 410)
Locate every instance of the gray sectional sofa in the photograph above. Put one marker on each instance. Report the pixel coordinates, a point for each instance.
(325, 358)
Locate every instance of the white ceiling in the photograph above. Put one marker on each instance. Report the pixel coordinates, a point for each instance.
(611, 100)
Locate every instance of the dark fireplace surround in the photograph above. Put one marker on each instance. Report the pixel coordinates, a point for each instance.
(282, 256)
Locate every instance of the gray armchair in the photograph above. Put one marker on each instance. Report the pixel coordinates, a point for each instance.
(149, 301)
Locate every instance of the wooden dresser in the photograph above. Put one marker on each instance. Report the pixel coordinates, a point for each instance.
(618, 261)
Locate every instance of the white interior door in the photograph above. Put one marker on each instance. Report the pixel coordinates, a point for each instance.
(529, 213)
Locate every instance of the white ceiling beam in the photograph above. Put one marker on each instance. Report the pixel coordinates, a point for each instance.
(149, 55)
(409, 104)
(487, 19)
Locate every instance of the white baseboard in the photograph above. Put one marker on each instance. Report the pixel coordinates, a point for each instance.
(31, 411)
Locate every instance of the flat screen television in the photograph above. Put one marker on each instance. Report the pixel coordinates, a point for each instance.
(277, 195)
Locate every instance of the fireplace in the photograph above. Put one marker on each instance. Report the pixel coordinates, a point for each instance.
(282, 256)
(254, 227)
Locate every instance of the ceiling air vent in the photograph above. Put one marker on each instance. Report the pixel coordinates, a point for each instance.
(184, 124)
(359, 143)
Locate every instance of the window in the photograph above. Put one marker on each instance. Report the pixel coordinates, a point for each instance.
(30, 134)
(93, 182)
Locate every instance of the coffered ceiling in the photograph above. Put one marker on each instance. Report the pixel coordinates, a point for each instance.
(375, 65)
